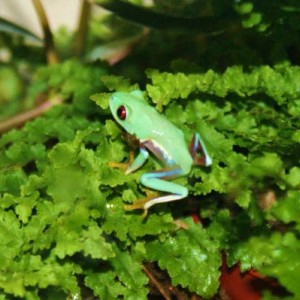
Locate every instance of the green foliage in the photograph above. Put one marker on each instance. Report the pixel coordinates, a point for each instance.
(64, 230)
(198, 255)
(275, 256)
(10, 90)
(63, 80)
(63, 206)
(264, 80)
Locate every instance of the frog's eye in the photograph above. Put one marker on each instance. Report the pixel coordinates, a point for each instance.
(121, 112)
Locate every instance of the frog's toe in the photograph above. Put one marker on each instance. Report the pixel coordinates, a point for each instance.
(140, 204)
(122, 166)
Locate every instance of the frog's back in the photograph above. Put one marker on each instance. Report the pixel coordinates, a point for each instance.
(167, 141)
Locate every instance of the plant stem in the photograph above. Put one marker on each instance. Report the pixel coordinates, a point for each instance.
(51, 53)
(22, 118)
(82, 30)
(165, 293)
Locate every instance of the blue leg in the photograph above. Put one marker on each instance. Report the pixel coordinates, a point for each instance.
(139, 160)
(155, 180)
(197, 145)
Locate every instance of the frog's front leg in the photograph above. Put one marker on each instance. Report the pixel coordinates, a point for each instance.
(155, 180)
(134, 163)
(139, 160)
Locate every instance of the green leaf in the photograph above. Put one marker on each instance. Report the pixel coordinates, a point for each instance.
(71, 237)
(101, 99)
(38, 273)
(131, 225)
(25, 206)
(70, 80)
(167, 86)
(130, 273)
(293, 177)
(12, 238)
(62, 213)
(191, 258)
(296, 136)
(126, 274)
(269, 164)
(287, 208)
(274, 255)
(101, 284)
(95, 244)
(119, 83)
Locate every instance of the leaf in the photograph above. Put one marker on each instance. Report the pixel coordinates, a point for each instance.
(125, 225)
(191, 259)
(25, 206)
(269, 164)
(23, 153)
(127, 275)
(287, 208)
(271, 255)
(95, 244)
(116, 50)
(296, 136)
(7, 26)
(12, 238)
(72, 238)
(167, 86)
(293, 177)
(101, 99)
(62, 213)
(64, 79)
(119, 83)
(130, 273)
(38, 272)
(147, 17)
(101, 284)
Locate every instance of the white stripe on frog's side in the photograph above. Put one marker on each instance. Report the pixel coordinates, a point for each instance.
(158, 151)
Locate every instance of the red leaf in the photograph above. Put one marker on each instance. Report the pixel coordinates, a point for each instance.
(239, 286)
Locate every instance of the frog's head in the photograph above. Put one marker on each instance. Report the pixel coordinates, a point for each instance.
(127, 109)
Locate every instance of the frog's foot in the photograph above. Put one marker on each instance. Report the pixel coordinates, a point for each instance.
(181, 224)
(140, 204)
(122, 166)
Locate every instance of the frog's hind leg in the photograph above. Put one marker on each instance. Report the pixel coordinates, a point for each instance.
(197, 146)
(155, 180)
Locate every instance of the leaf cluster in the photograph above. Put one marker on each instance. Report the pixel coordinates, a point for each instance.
(62, 205)
(249, 121)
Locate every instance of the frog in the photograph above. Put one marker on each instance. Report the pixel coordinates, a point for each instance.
(158, 136)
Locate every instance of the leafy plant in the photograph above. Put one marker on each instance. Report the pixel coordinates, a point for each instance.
(64, 231)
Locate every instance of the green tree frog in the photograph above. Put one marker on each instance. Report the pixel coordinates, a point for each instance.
(159, 136)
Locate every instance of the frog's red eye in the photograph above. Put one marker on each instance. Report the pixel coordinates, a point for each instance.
(121, 112)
